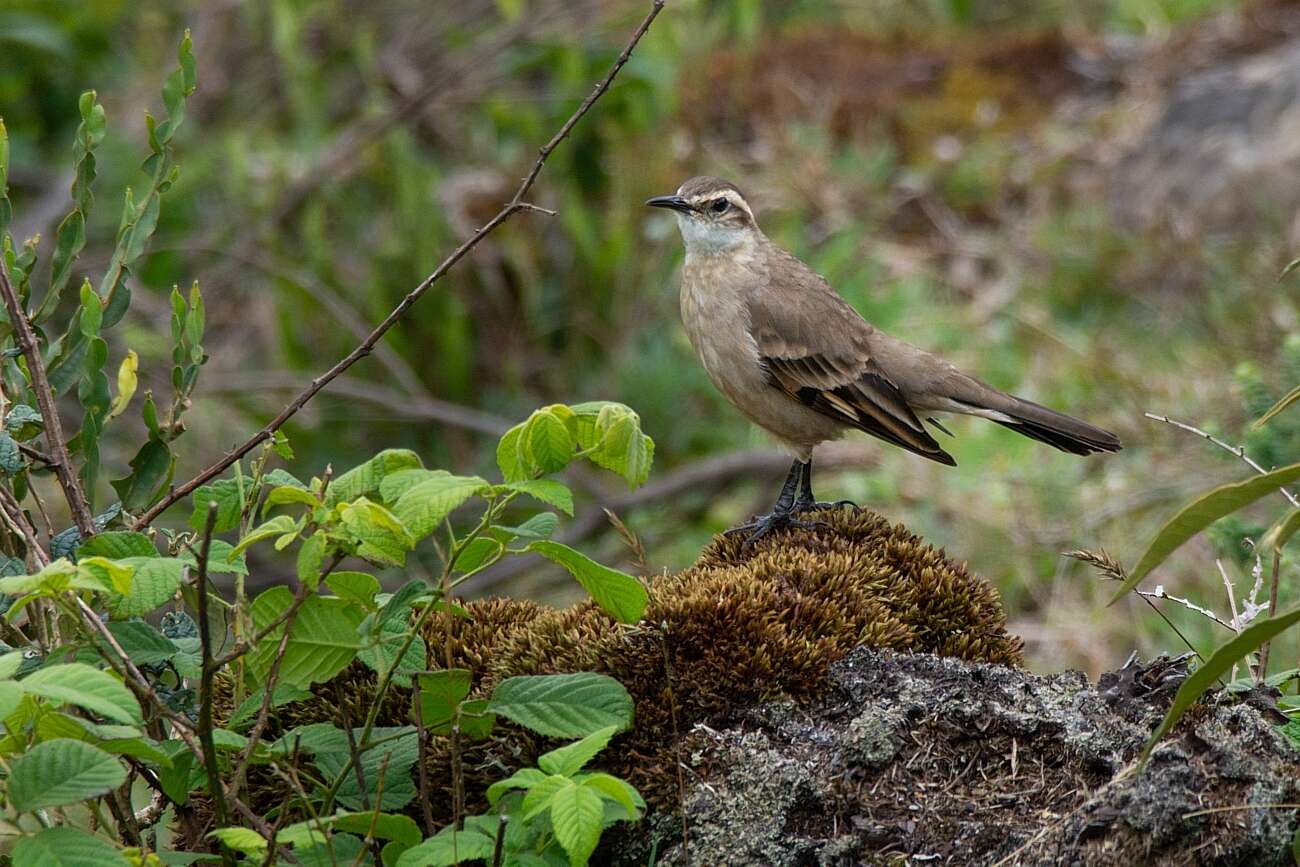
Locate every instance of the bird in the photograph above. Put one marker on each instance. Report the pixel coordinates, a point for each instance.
(800, 362)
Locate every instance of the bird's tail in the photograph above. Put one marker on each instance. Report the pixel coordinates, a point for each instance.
(1037, 422)
(1057, 429)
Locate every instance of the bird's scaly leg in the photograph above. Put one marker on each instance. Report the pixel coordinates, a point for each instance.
(806, 502)
(783, 513)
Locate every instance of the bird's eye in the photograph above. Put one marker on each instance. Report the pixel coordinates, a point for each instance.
(720, 206)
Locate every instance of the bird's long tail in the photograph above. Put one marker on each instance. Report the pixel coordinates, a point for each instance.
(1053, 428)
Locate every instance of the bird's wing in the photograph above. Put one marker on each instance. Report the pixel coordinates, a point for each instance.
(817, 349)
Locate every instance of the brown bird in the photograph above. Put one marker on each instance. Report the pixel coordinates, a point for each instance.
(798, 361)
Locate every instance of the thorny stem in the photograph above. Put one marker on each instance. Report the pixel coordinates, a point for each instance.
(514, 206)
(61, 461)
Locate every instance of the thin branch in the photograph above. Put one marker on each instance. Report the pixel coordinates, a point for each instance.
(1238, 451)
(205, 680)
(62, 461)
(515, 205)
(1272, 610)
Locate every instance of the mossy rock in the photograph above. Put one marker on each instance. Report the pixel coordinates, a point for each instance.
(737, 628)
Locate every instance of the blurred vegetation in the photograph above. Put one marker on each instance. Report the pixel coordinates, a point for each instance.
(941, 163)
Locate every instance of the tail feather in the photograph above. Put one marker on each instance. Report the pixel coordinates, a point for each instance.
(1055, 428)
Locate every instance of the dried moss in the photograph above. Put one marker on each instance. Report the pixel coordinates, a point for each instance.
(737, 628)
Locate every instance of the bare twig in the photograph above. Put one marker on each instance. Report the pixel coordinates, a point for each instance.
(215, 787)
(516, 204)
(1272, 609)
(62, 461)
(1238, 451)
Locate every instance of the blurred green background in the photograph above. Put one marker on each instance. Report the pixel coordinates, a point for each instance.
(1087, 203)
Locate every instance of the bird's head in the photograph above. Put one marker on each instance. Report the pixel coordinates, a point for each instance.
(712, 215)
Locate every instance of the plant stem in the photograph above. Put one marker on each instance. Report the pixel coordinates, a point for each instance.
(1272, 609)
(215, 788)
(58, 444)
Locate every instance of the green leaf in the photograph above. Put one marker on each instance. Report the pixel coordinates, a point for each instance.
(547, 491)
(226, 494)
(563, 705)
(141, 641)
(117, 544)
(1219, 663)
(11, 696)
(622, 447)
(366, 478)
(621, 595)
(539, 526)
(322, 641)
(479, 551)
(423, 506)
(381, 536)
(510, 457)
(11, 459)
(1199, 514)
(282, 694)
(619, 791)
(568, 760)
(280, 525)
(576, 818)
(62, 771)
(222, 559)
(356, 587)
(151, 472)
(311, 558)
(399, 788)
(23, 422)
(244, 840)
(450, 847)
(89, 688)
(547, 441)
(440, 694)
(1281, 532)
(1287, 400)
(524, 778)
(381, 655)
(376, 825)
(154, 583)
(398, 604)
(62, 846)
(289, 494)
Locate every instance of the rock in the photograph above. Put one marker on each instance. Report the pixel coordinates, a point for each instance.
(944, 761)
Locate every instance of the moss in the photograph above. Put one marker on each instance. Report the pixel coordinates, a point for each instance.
(737, 628)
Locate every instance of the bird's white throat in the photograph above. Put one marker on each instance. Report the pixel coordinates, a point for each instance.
(706, 238)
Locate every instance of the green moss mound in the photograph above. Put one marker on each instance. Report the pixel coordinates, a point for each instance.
(737, 628)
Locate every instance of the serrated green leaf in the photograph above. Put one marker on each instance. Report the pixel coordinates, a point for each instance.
(59, 772)
(399, 787)
(548, 491)
(618, 593)
(90, 688)
(11, 459)
(422, 506)
(510, 457)
(439, 694)
(141, 641)
(282, 694)
(244, 840)
(576, 819)
(477, 552)
(222, 559)
(563, 705)
(547, 441)
(539, 526)
(568, 760)
(11, 696)
(1199, 514)
(63, 846)
(617, 790)
(226, 494)
(356, 587)
(381, 655)
(450, 847)
(270, 529)
(286, 494)
(154, 582)
(381, 536)
(524, 778)
(366, 478)
(322, 642)
(115, 544)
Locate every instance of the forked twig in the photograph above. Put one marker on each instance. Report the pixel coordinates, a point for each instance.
(514, 206)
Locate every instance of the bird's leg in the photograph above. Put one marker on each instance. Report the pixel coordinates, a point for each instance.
(783, 513)
(806, 502)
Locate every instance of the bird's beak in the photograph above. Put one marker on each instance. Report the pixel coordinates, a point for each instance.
(676, 203)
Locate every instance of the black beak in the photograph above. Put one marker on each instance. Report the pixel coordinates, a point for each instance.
(676, 203)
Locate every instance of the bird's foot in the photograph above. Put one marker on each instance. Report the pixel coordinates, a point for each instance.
(768, 524)
(816, 506)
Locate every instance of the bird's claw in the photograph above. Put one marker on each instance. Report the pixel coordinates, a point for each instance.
(768, 524)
